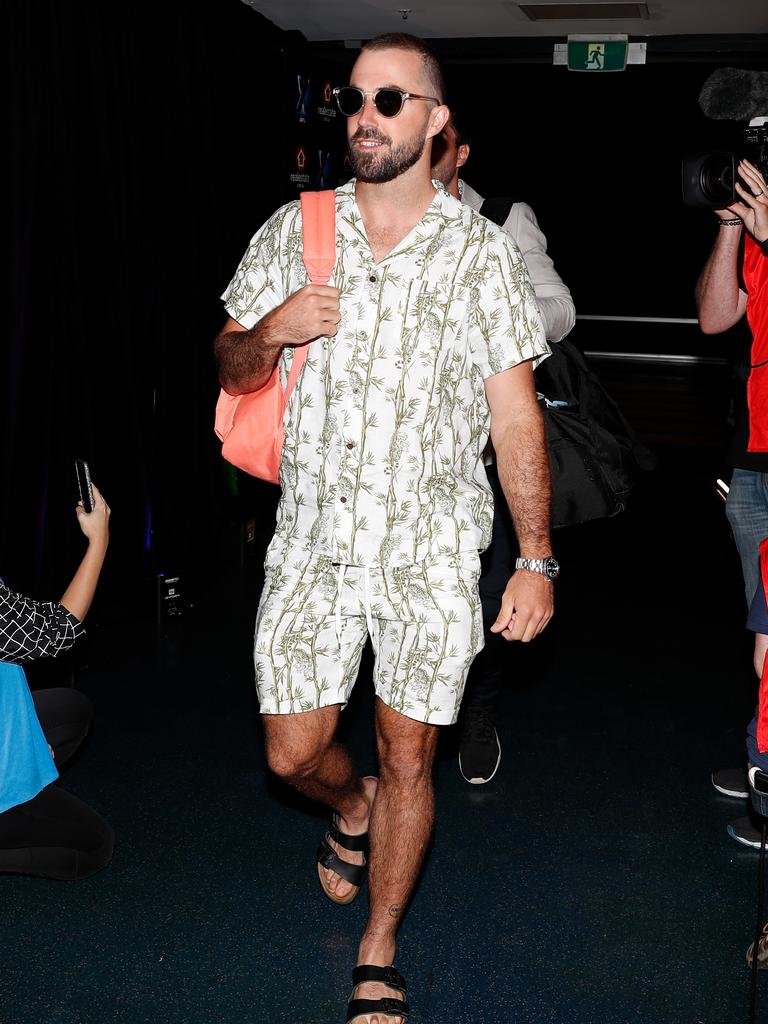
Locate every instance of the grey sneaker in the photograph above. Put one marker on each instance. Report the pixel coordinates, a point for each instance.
(731, 782)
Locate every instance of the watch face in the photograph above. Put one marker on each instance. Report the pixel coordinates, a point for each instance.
(552, 568)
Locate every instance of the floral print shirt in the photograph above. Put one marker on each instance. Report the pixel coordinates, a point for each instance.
(385, 431)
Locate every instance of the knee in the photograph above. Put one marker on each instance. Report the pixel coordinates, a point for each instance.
(296, 744)
(291, 761)
(406, 748)
(404, 766)
(81, 707)
(98, 853)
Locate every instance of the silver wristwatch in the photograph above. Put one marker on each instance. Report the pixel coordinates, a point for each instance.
(549, 567)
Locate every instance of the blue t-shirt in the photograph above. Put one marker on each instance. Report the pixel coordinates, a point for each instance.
(26, 765)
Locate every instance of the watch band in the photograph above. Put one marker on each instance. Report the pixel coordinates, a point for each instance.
(548, 567)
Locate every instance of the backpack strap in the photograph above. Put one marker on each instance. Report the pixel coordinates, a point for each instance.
(497, 209)
(318, 230)
(318, 226)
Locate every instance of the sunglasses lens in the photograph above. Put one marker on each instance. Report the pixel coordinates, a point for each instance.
(350, 100)
(389, 102)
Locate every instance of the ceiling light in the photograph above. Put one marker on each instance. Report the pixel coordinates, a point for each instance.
(584, 12)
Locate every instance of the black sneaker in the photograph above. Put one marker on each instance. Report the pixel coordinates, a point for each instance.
(731, 782)
(744, 832)
(479, 747)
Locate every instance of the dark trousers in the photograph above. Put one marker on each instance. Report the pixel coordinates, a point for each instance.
(487, 673)
(55, 835)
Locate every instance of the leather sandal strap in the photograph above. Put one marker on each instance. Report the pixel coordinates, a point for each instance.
(387, 975)
(352, 873)
(389, 1007)
(357, 843)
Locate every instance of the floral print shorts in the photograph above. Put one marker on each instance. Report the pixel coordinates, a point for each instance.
(425, 624)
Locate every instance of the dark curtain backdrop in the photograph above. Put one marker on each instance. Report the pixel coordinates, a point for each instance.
(144, 153)
(598, 158)
(147, 144)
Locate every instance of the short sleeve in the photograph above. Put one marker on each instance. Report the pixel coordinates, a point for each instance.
(270, 270)
(34, 629)
(505, 323)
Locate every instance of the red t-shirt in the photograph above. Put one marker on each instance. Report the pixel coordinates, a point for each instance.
(755, 272)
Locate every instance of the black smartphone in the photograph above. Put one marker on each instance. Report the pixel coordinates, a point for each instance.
(84, 484)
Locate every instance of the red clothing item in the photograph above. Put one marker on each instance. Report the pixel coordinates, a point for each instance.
(762, 700)
(755, 271)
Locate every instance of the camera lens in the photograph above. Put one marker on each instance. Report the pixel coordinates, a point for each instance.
(716, 180)
(708, 180)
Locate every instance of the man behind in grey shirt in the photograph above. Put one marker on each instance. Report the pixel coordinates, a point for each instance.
(479, 746)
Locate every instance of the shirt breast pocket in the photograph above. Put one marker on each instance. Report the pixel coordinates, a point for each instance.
(434, 321)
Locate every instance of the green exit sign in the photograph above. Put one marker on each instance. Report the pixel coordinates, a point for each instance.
(600, 55)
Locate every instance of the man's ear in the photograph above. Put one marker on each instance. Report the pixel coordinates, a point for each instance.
(438, 119)
(462, 155)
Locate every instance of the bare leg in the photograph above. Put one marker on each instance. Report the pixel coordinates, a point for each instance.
(400, 828)
(301, 749)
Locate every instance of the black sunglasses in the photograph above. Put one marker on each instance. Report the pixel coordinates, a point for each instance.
(388, 102)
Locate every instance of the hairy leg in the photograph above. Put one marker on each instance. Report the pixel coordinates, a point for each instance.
(400, 828)
(302, 751)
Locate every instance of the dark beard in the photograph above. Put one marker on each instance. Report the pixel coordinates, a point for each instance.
(373, 168)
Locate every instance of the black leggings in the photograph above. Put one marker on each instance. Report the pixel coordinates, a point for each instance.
(55, 835)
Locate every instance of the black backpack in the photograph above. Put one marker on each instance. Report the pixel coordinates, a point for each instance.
(593, 452)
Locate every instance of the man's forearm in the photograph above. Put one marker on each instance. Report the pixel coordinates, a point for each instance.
(245, 359)
(522, 463)
(718, 296)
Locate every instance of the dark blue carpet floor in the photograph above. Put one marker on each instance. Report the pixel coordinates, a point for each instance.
(592, 881)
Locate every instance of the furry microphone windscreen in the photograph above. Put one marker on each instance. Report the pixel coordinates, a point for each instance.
(734, 94)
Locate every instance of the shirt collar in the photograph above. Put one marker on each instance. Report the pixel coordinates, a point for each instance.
(443, 212)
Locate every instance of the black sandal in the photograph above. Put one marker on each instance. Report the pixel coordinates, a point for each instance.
(389, 1007)
(328, 859)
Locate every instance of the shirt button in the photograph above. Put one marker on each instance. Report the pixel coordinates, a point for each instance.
(343, 501)
(373, 279)
(350, 445)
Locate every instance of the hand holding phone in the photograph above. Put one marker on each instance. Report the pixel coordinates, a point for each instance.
(84, 484)
(92, 512)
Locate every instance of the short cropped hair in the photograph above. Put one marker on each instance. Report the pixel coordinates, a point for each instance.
(412, 44)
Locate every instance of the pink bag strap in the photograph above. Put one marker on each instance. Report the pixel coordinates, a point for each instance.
(318, 225)
(318, 229)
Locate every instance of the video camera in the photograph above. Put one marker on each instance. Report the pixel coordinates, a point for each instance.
(709, 178)
(732, 94)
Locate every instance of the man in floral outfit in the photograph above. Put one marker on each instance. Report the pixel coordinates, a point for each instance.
(423, 345)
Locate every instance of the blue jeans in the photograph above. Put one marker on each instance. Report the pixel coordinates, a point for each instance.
(747, 511)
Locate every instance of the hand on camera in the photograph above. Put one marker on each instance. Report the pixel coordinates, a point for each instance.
(753, 209)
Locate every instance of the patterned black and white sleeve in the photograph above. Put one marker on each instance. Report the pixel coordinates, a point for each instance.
(34, 629)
